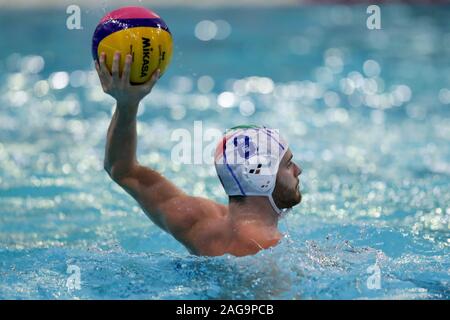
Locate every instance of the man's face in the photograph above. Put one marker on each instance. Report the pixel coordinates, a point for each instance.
(287, 188)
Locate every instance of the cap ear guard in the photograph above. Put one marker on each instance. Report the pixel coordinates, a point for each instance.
(261, 182)
(261, 174)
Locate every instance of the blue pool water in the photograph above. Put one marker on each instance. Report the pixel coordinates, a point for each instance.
(367, 114)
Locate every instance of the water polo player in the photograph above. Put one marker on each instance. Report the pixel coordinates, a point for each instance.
(254, 165)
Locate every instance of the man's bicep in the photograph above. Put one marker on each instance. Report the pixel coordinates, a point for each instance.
(151, 190)
(148, 183)
(168, 206)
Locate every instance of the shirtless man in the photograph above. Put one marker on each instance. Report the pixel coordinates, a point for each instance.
(254, 165)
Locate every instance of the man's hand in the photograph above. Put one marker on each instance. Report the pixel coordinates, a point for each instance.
(120, 88)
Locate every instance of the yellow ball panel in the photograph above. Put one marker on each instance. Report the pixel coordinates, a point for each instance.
(151, 48)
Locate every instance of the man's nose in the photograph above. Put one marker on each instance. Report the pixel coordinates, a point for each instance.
(299, 170)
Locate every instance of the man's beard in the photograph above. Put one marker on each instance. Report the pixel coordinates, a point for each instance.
(296, 198)
(284, 201)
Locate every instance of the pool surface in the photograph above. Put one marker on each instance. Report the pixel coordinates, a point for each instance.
(366, 113)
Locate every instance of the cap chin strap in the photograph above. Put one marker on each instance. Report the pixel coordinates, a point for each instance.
(281, 212)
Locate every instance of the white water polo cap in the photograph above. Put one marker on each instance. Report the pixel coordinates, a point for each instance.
(247, 161)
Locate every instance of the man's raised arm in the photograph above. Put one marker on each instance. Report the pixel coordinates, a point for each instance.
(161, 200)
(120, 153)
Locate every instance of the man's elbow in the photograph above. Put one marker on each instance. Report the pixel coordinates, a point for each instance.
(112, 173)
(117, 172)
(107, 168)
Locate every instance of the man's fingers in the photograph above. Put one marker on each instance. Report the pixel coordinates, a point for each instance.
(97, 67)
(102, 62)
(115, 66)
(103, 73)
(150, 83)
(158, 74)
(127, 69)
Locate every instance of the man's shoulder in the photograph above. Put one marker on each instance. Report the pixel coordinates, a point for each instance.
(210, 234)
(187, 213)
(212, 216)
